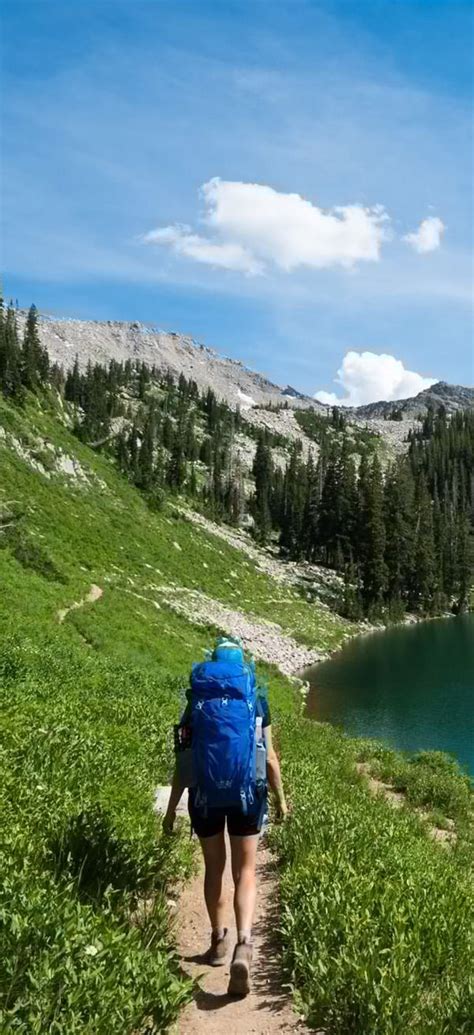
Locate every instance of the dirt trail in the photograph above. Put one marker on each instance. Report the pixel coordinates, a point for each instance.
(267, 1010)
(444, 836)
(94, 594)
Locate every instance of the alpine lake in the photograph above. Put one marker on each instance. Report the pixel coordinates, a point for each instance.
(411, 686)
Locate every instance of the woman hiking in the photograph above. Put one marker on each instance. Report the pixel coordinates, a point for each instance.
(225, 755)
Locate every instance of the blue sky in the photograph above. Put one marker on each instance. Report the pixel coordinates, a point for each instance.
(116, 114)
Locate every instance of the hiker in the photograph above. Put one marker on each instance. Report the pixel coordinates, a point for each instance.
(225, 755)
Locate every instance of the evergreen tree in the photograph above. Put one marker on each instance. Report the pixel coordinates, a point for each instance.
(263, 474)
(10, 363)
(329, 515)
(144, 471)
(399, 530)
(34, 358)
(372, 532)
(168, 433)
(121, 453)
(424, 572)
(143, 381)
(464, 561)
(311, 511)
(73, 388)
(352, 600)
(293, 509)
(192, 487)
(176, 471)
(205, 452)
(133, 447)
(347, 504)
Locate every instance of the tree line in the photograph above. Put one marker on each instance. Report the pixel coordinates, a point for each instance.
(24, 362)
(400, 538)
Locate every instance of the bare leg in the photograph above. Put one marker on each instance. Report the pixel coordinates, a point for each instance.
(213, 850)
(244, 857)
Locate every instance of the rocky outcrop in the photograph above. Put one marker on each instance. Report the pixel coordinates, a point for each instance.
(452, 397)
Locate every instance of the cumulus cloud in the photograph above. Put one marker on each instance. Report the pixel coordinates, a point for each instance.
(368, 377)
(251, 227)
(228, 254)
(428, 236)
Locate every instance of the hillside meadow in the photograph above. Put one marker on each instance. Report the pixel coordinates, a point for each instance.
(376, 918)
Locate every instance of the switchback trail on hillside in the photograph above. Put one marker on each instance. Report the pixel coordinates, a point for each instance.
(268, 1009)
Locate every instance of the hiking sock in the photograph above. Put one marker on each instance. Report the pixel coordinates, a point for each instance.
(244, 936)
(218, 933)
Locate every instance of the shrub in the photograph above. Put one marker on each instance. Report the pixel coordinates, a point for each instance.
(30, 554)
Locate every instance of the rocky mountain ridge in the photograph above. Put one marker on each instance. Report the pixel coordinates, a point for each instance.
(238, 385)
(99, 342)
(452, 397)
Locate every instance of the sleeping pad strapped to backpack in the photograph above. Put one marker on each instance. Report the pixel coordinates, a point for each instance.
(223, 717)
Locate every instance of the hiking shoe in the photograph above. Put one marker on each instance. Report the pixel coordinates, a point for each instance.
(239, 983)
(217, 952)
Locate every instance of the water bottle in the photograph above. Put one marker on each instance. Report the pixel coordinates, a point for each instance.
(261, 753)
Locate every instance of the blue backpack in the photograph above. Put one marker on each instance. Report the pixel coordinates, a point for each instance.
(224, 708)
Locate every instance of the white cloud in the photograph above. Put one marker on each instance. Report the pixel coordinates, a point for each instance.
(369, 377)
(254, 226)
(428, 236)
(230, 255)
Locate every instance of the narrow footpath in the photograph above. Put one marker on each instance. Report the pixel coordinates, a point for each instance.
(268, 1009)
(91, 597)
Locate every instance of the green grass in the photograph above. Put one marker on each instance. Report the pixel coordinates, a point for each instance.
(88, 707)
(84, 742)
(375, 917)
(106, 532)
(376, 920)
(430, 780)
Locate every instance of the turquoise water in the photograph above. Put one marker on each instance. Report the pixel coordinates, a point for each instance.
(412, 686)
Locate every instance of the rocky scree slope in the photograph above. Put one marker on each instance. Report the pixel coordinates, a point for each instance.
(100, 342)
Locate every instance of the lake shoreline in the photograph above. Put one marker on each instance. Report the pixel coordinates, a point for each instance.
(412, 690)
(366, 629)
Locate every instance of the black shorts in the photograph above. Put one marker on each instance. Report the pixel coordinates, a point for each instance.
(239, 824)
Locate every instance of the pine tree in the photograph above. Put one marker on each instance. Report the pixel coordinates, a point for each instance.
(293, 510)
(205, 452)
(347, 503)
(424, 572)
(132, 444)
(176, 470)
(263, 474)
(34, 360)
(168, 433)
(143, 381)
(191, 447)
(121, 453)
(329, 517)
(73, 388)
(464, 561)
(11, 357)
(352, 601)
(310, 523)
(192, 487)
(399, 532)
(144, 475)
(372, 531)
